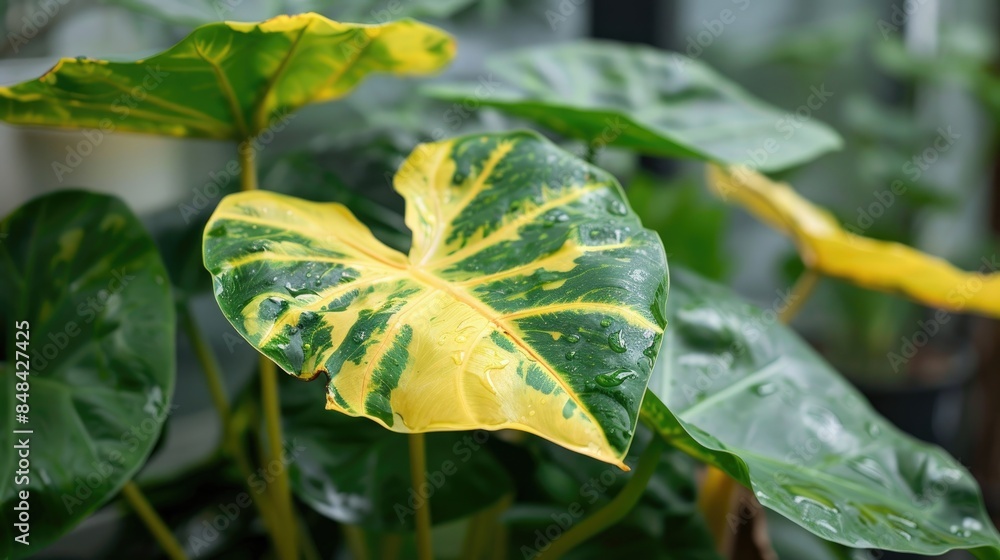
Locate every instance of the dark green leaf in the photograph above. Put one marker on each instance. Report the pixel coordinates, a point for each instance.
(651, 101)
(744, 393)
(83, 272)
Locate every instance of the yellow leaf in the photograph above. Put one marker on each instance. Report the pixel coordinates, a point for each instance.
(878, 265)
(226, 80)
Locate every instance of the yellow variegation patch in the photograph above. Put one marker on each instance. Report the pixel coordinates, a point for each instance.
(879, 265)
(226, 80)
(532, 298)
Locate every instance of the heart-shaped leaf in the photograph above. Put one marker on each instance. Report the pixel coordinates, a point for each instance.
(226, 80)
(737, 389)
(878, 265)
(83, 273)
(354, 471)
(651, 101)
(531, 297)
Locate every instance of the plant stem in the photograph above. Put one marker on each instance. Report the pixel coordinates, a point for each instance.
(153, 522)
(418, 461)
(275, 452)
(803, 288)
(230, 435)
(715, 501)
(481, 530)
(248, 171)
(209, 365)
(284, 511)
(356, 542)
(591, 154)
(616, 509)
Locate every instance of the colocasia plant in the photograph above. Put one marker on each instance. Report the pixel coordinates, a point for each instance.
(525, 297)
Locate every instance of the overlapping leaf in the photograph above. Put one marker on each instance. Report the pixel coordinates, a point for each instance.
(651, 101)
(879, 265)
(738, 390)
(226, 80)
(531, 297)
(83, 273)
(354, 471)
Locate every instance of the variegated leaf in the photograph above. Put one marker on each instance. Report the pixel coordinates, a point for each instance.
(532, 298)
(226, 80)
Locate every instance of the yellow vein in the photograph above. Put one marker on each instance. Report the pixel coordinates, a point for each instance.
(517, 222)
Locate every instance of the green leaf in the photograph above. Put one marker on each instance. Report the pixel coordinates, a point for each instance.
(744, 393)
(665, 524)
(355, 472)
(531, 298)
(226, 80)
(197, 12)
(82, 271)
(651, 101)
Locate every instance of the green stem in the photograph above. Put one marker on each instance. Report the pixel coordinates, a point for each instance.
(275, 452)
(616, 509)
(248, 171)
(209, 365)
(418, 462)
(356, 542)
(803, 288)
(591, 154)
(482, 529)
(279, 490)
(153, 522)
(230, 434)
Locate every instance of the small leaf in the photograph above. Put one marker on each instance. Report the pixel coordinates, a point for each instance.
(878, 265)
(84, 274)
(226, 80)
(531, 298)
(650, 101)
(738, 390)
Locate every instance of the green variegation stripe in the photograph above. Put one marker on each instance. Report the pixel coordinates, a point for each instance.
(226, 80)
(532, 298)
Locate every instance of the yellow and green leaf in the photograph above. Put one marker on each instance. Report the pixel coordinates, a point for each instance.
(828, 248)
(532, 298)
(226, 80)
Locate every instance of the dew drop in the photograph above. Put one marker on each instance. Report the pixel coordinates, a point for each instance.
(617, 208)
(873, 429)
(359, 337)
(458, 358)
(570, 355)
(765, 389)
(460, 338)
(606, 323)
(617, 342)
(574, 338)
(615, 378)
